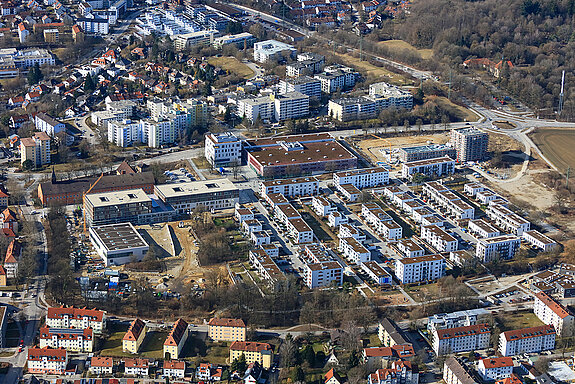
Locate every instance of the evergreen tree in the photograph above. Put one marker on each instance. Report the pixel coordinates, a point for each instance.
(89, 84)
(239, 364)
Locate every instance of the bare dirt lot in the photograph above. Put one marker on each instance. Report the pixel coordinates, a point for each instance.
(372, 144)
(557, 145)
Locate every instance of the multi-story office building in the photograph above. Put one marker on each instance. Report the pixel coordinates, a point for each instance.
(438, 167)
(118, 244)
(438, 238)
(461, 339)
(527, 340)
(272, 51)
(425, 152)
(47, 361)
(36, 149)
(470, 143)
(551, 312)
(223, 149)
(363, 178)
(253, 352)
(304, 84)
(80, 318)
(71, 339)
(226, 329)
(497, 248)
(419, 269)
(212, 194)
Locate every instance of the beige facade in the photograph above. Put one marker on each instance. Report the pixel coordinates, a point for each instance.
(134, 336)
(261, 353)
(35, 149)
(227, 330)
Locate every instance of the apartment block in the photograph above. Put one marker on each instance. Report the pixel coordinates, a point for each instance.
(304, 84)
(447, 199)
(36, 149)
(507, 219)
(137, 367)
(135, 335)
(265, 265)
(350, 230)
(214, 194)
(527, 340)
(399, 372)
(377, 273)
(390, 334)
(272, 51)
(299, 231)
(425, 152)
(438, 238)
(451, 320)
(482, 229)
(225, 329)
(47, 361)
(362, 178)
(336, 78)
(455, 373)
(176, 339)
(553, 313)
(48, 124)
(497, 248)
(291, 188)
(495, 368)
(72, 317)
(101, 365)
(223, 149)
(354, 250)
(409, 248)
(71, 339)
(538, 240)
(381, 221)
(461, 339)
(438, 167)
(470, 143)
(253, 352)
(320, 268)
(335, 219)
(322, 206)
(419, 269)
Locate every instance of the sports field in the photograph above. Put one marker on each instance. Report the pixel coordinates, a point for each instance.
(557, 146)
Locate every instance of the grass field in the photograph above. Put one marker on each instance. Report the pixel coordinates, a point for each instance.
(233, 65)
(152, 347)
(557, 146)
(380, 73)
(463, 113)
(400, 45)
(519, 320)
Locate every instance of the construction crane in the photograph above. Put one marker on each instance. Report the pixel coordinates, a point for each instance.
(84, 198)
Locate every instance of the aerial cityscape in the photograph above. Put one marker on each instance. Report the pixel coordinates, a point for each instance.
(276, 192)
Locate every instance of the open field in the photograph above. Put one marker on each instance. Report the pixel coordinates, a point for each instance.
(232, 65)
(400, 45)
(379, 73)
(422, 292)
(519, 320)
(462, 113)
(557, 145)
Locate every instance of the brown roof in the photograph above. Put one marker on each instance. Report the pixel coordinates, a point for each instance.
(559, 309)
(134, 330)
(97, 361)
(227, 322)
(174, 364)
(13, 252)
(250, 346)
(449, 333)
(177, 333)
(526, 333)
(125, 168)
(106, 183)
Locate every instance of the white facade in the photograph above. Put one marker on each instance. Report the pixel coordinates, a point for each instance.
(538, 240)
(438, 238)
(461, 339)
(272, 50)
(409, 248)
(299, 186)
(527, 340)
(495, 368)
(551, 312)
(507, 219)
(299, 231)
(350, 230)
(335, 219)
(498, 247)
(363, 178)
(48, 124)
(322, 206)
(79, 318)
(354, 251)
(419, 269)
(223, 149)
(482, 229)
(47, 361)
(74, 340)
(456, 373)
(439, 167)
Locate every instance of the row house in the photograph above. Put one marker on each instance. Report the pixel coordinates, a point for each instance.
(508, 220)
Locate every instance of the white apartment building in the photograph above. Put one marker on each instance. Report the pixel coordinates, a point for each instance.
(438, 167)
(299, 231)
(409, 248)
(438, 238)
(551, 312)
(72, 339)
(354, 250)
(322, 206)
(272, 51)
(71, 317)
(419, 269)
(456, 373)
(451, 320)
(136, 367)
(363, 178)
(290, 188)
(376, 272)
(242, 213)
(335, 219)
(101, 365)
(304, 84)
(390, 230)
(48, 124)
(320, 269)
(461, 339)
(349, 192)
(482, 229)
(538, 240)
(507, 219)
(495, 368)
(381, 221)
(527, 340)
(336, 78)
(47, 361)
(223, 149)
(471, 189)
(350, 230)
(394, 96)
(499, 247)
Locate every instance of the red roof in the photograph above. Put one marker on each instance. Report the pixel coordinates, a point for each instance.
(224, 322)
(97, 361)
(556, 307)
(174, 364)
(497, 362)
(178, 330)
(250, 346)
(332, 374)
(75, 313)
(449, 333)
(400, 350)
(526, 333)
(63, 334)
(134, 330)
(51, 354)
(136, 363)
(13, 252)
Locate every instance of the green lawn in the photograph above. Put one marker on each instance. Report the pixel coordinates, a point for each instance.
(517, 320)
(233, 65)
(153, 345)
(217, 353)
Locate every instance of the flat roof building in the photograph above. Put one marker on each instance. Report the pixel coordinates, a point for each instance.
(118, 244)
(210, 194)
(470, 143)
